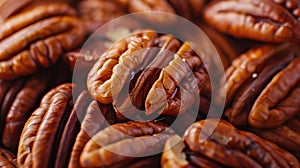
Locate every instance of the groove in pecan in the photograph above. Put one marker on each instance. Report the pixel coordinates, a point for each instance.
(38, 44)
(219, 141)
(100, 77)
(263, 20)
(148, 138)
(7, 159)
(37, 146)
(93, 121)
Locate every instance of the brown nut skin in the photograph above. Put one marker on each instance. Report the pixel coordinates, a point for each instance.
(29, 40)
(7, 159)
(263, 20)
(262, 86)
(221, 142)
(147, 137)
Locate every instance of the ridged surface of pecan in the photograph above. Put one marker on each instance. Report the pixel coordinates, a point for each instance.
(124, 144)
(264, 20)
(7, 159)
(262, 86)
(220, 142)
(29, 40)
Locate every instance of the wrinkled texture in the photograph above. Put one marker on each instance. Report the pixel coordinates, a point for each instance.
(7, 159)
(29, 40)
(264, 20)
(262, 86)
(148, 138)
(222, 143)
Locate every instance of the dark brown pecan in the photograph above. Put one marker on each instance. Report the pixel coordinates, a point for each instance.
(264, 20)
(217, 141)
(97, 117)
(286, 135)
(190, 9)
(7, 159)
(117, 145)
(37, 38)
(262, 86)
(158, 80)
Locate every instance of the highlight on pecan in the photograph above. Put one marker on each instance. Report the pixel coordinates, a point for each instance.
(124, 144)
(7, 159)
(158, 81)
(96, 118)
(214, 141)
(50, 132)
(263, 20)
(287, 135)
(37, 38)
(262, 86)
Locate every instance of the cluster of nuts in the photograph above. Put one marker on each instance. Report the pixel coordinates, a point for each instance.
(120, 108)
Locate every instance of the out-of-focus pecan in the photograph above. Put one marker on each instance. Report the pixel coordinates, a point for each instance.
(37, 38)
(49, 134)
(7, 159)
(124, 144)
(262, 86)
(190, 9)
(93, 122)
(158, 80)
(217, 142)
(264, 20)
(287, 135)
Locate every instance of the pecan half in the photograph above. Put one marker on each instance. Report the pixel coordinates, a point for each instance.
(219, 142)
(93, 122)
(49, 134)
(264, 20)
(7, 159)
(262, 86)
(163, 75)
(29, 40)
(116, 145)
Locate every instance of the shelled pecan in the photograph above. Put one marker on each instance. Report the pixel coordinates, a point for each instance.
(263, 20)
(159, 80)
(216, 143)
(37, 38)
(49, 134)
(125, 144)
(97, 117)
(7, 159)
(287, 135)
(263, 86)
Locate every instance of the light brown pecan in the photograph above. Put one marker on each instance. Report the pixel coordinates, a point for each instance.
(97, 117)
(124, 144)
(220, 142)
(37, 38)
(262, 86)
(264, 20)
(7, 159)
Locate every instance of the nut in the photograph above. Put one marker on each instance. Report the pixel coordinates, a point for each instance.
(30, 40)
(218, 141)
(159, 82)
(265, 20)
(268, 71)
(7, 159)
(148, 138)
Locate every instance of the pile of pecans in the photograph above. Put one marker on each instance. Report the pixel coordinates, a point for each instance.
(120, 109)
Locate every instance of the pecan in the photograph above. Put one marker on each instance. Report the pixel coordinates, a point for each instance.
(287, 135)
(29, 40)
(262, 86)
(264, 20)
(158, 80)
(117, 145)
(190, 9)
(217, 141)
(93, 122)
(50, 132)
(7, 159)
